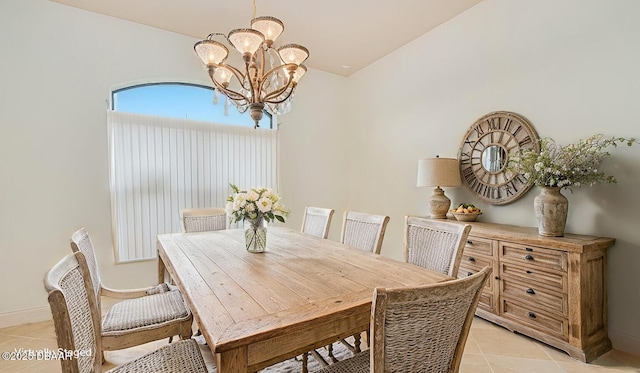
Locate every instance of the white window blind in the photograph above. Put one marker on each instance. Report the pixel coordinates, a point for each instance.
(160, 165)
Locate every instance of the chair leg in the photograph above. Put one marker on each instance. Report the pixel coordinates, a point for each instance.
(186, 331)
(323, 363)
(355, 348)
(331, 355)
(305, 357)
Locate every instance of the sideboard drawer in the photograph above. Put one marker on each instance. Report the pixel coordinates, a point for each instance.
(486, 301)
(532, 255)
(478, 246)
(472, 264)
(534, 318)
(552, 301)
(533, 275)
(475, 262)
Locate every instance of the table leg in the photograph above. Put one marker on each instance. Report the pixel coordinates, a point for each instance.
(234, 361)
(161, 270)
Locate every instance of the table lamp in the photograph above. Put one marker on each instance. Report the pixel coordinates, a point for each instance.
(438, 172)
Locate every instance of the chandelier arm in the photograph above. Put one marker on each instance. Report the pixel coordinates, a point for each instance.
(270, 99)
(211, 35)
(271, 96)
(233, 95)
(279, 91)
(238, 74)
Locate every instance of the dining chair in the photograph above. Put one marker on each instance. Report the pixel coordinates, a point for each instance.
(435, 244)
(364, 231)
(418, 329)
(316, 221)
(203, 219)
(142, 315)
(77, 324)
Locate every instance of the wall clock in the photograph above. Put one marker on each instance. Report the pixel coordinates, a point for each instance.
(484, 154)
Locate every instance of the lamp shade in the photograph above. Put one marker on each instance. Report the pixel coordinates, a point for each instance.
(438, 172)
(270, 27)
(211, 52)
(246, 41)
(293, 53)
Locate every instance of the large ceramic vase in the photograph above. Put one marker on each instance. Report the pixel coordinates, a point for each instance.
(551, 209)
(255, 235)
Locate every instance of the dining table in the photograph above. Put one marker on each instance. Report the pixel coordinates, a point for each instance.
(304, 292)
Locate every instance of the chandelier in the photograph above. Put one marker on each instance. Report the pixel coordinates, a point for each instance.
(269, 77)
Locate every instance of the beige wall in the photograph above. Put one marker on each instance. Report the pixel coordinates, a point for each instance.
(568, 66)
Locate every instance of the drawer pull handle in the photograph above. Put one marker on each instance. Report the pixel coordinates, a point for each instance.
(528, 249)
(528, 257)
(469, 273)
(529, 272)
(530, 291)
(472, 259)
(497, 277)
(470, 242)
(532, 315)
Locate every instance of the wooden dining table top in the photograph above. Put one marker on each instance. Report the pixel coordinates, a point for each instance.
(303, 292)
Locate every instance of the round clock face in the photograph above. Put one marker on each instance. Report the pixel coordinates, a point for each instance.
(484, 154)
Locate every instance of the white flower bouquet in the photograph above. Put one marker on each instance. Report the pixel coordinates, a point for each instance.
(255, 205)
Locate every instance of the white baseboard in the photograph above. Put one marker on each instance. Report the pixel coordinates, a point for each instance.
(624, 342)
(27, 316)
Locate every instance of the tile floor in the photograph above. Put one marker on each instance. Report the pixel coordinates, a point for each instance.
(489, 348)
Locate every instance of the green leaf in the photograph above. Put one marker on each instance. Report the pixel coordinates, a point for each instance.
(280, 218)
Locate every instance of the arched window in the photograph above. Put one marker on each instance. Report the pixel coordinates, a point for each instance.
(183, 101)
(169, 149)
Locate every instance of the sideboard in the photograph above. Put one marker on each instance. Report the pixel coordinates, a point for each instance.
(553, 289)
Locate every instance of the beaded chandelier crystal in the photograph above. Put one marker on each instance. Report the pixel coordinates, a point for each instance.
(269, 76)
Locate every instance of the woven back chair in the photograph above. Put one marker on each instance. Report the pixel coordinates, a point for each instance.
(364, 231)
(419, 329)
(143, 315)
(203, 219)
(435, 244)
(316, 221)
(77, 324)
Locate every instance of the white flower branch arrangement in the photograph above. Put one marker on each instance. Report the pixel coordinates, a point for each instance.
(572, 165)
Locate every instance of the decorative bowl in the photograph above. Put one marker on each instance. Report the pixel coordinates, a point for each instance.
(470, 216)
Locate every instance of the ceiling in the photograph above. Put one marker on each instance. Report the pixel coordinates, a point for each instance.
(343, 36)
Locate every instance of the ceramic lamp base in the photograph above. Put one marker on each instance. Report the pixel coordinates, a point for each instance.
(439, 204)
